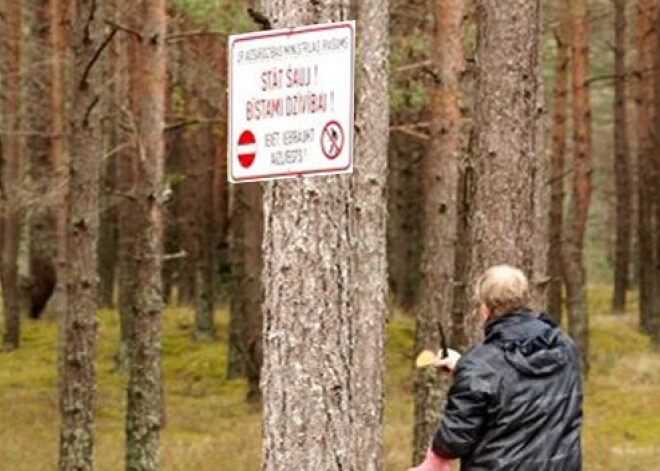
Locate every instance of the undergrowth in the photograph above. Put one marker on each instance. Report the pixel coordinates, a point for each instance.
(209, 426)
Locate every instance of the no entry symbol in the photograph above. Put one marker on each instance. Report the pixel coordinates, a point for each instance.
(332, 140)
(247, 149)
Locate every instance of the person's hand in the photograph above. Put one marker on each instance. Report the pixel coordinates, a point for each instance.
(448, 363)
(433, 463)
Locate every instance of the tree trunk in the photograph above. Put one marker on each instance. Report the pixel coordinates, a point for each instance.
(122, 51)
(324, 280)
(145, 397)
(645, 116)
(78, 375)
(505, 210)
(557, 159)
(621, 162)
(574, 265)
(405, 210)
(10, 162)
(59, 31)
(439, 183)
(107, 243)
(368, 223)
(38, 147)
(245, 340)
(108, 233)
(654, 193)
(462, 297)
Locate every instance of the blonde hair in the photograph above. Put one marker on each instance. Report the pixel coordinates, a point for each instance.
(502, 289)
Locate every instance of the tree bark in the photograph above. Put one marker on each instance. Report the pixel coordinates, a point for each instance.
(368, 224)
(645, 117)
(505, 210)
(574, 265)
(145, 397)
(621, 162)
(557, 162)
(439, 183)
(324, 278)
(78, 375)
(10, 164)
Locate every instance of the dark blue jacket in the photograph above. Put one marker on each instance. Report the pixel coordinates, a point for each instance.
(516, 400)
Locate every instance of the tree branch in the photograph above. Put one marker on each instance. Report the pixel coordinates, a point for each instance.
(407, 129)
(260, 19)
(125, 29)
(95, 57)
(416, 65)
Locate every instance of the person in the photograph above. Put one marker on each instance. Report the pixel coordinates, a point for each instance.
(516, 398)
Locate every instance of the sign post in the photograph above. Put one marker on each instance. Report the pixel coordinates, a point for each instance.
(291, 99)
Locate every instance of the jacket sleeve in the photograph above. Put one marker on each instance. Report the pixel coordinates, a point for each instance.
(466, 412)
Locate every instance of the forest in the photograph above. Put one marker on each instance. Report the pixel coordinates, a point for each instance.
(158, 316)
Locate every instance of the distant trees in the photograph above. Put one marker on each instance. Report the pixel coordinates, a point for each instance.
(41, 221)
(645, 109)
(245, 329)
(10, 164)
(654, 193)
(622, 167)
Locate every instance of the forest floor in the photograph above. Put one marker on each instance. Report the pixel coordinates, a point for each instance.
(210, 427)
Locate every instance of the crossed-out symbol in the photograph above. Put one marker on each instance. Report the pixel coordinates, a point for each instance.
(332, 140)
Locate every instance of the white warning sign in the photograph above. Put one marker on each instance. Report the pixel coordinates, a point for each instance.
(291, 95)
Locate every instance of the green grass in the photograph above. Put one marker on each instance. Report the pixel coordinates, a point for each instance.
(210, 427)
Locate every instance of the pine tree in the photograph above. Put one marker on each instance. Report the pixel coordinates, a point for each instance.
(325, 284)
(145, 395)
(10, 166)
(505, 219)
(439, 180)
(78, 337)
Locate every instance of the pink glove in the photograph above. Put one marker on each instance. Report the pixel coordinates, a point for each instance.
(433, 463)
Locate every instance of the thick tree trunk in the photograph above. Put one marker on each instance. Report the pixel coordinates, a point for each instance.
(145, 396)
(439, 183)
(621, 163)
(324, 280)
(78, 375)
(557, 160)
(574, 264)
(368, 224)
(505, 209)
(10, 161)
(645, 117)
(38, 147)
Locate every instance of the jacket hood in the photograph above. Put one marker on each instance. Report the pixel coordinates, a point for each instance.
(533, 345)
